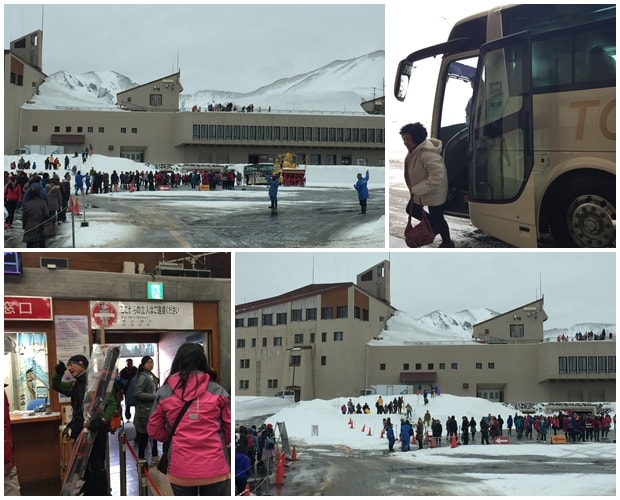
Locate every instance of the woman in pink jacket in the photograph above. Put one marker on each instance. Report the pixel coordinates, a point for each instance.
(199, 461)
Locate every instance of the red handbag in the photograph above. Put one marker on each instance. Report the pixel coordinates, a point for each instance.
(421, 234)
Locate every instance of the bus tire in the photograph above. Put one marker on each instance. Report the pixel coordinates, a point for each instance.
(585, 214)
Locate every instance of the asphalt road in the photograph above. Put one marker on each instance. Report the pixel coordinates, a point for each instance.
(306, 217)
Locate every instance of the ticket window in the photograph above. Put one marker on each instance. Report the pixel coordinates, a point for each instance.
(26, 371)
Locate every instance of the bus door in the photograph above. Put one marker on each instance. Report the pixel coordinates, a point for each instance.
(502, 199)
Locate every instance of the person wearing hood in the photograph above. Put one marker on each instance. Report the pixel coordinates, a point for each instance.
(361, 186)
(198, 459)
(426, 178)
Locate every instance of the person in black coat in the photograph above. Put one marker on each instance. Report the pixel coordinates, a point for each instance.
(34, 216)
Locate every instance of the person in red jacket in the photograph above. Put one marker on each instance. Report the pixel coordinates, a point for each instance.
(199, 454)
(11, 483)
(12, 199)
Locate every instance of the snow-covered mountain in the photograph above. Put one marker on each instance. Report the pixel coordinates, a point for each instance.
(340, 86)
(439, 326)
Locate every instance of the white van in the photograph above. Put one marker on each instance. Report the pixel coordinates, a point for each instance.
(287, 394)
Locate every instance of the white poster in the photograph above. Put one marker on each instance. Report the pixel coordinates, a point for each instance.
(118, 315)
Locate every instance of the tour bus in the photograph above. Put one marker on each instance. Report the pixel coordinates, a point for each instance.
(525, 106)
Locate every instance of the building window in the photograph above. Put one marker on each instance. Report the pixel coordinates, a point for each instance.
(338, 336)
(101, 130)
(365, 315)
(272, 383)
(330, 159)
(582, 364)
(244, 363)
(382, 366)
(517, 331)
(611, 364)
(323, 360)
(491, 366)
(56, 128)
(405, 366)
(326, 313)
(324, 337)
(244, 384)
(311, 314)
(155, 99)
(442, 366)
(253, 342)
(264, 341)
(295, 360)
(572, 365)
(134, 130)
(418, 366)
(298, 338)
(478, 366)
(277, 341)
(239, 322)
(91, 130)
(123, 130)
(35, 128)
(357, 312)
(454, 366)
(80, 130)
(296, 315)
(281, 319)
(312, 338)
(267, 319)
(431, 366)
(342, 311)
(67, 130)
(240, 343)
(562, 365)
(591, 364)
(253, 321)
(602, 364)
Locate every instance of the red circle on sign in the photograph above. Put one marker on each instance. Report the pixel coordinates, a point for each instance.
(104, 314)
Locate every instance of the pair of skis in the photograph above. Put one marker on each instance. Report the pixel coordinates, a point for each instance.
(101, 371)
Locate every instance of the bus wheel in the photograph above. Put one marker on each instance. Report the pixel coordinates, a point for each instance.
(586, 216)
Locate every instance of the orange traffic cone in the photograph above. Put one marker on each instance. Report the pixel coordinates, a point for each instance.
(453, 442)
(364, 428)
(294, 454)
(131, 188)
(382, 433)
(279, 472)
(76, 206)
(369, 431)
(351, 423)
(246, 492)
(432, 442)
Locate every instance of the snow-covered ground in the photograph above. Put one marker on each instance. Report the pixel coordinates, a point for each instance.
(334, 429)
(106, 231)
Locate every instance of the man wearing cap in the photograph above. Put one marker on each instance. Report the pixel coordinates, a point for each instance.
(96, 477)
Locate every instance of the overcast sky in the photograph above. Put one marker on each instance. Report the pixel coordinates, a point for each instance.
(578, 286)
(220, 47)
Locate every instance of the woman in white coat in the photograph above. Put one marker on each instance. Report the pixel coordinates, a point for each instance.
(426, 178)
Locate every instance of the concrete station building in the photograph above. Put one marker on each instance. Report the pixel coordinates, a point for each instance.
(324, 341)
(147, 125)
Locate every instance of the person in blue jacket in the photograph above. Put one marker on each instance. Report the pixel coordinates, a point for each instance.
(243, 469)
(389, 432)
(361, 186)
(405, 434)
(273, 192)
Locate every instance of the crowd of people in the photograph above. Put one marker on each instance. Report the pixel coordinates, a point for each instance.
(588, 335)
(199, 464)
(255, 453)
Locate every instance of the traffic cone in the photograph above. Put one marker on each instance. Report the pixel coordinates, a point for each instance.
(432, 442)
(382, 433)
(246, 492)
(364, 428)
(76, 206)
(294, 454)
(369, 431)
(453, 442)
(350, 423)
(131, 188)
(279, 472)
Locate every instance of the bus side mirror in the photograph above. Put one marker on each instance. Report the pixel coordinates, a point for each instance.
(403, 75)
